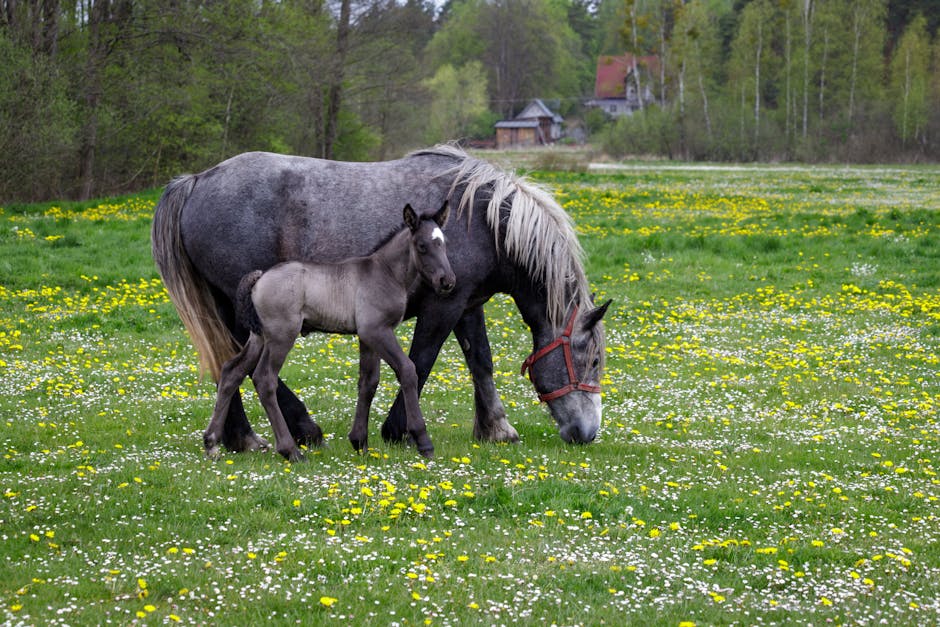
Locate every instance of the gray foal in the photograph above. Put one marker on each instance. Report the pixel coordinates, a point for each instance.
(365, 296)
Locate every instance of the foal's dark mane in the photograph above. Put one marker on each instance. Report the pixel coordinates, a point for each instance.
(387, 238)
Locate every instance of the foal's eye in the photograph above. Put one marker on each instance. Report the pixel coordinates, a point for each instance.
(595, 362)
(422, 249)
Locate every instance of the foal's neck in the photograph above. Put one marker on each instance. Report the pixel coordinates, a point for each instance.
(396, 256)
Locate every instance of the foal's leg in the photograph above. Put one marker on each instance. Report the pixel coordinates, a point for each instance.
(237, 434)
(233, 373)
(265, 380)
(368, 383)
(431, 329)
(384, 343)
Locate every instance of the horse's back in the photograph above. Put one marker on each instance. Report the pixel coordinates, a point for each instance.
(257, 209)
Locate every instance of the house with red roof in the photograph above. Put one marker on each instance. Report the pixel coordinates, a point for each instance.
(616, 83)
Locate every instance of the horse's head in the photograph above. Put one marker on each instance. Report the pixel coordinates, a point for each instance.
(567, 371)
(429, 251)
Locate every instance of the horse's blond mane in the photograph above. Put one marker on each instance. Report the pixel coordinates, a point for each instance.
(539, 235)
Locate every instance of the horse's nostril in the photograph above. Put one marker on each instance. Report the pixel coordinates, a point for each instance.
(576, 435)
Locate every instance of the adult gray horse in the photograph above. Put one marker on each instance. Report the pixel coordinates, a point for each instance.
(259, 209)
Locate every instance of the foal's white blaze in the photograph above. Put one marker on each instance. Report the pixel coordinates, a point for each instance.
(437, 234)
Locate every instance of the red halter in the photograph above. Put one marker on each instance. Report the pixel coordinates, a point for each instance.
(564, 340)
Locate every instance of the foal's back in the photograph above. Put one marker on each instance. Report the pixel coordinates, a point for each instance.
(296, 297)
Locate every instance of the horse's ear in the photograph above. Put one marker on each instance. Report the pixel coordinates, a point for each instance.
(594, 316)
(411, 218)
(443, 213)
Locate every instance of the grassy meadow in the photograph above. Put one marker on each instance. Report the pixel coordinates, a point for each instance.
(769, 454)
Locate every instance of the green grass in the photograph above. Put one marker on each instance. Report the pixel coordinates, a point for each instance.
(769, 450)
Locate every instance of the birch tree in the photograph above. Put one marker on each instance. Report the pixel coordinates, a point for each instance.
(695, 50)
(749, 53)
(866, 31)
(807, 10)
(909, 82)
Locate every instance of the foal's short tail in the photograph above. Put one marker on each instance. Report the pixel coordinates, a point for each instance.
(245, 313)
(189, 292)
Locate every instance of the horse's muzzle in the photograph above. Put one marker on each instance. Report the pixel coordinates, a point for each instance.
(575, 435)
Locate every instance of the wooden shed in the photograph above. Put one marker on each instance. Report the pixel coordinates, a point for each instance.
(535, 125)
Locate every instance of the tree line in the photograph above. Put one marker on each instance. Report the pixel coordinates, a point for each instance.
(102, 96)
(808, 80)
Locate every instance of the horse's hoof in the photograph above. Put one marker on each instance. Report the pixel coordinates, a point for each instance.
(243, 442)
(256, 443)
(307, 433)
(360, 445)
(425, 446)
(392, 435)
(211, 445)
(498, 430)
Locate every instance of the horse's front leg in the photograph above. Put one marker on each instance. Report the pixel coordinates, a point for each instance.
(368, 383)
(302, 427)
(384, 343)
(233, 373)
(431, 329)
(489, 419)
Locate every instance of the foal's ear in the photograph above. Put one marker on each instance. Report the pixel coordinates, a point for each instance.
(411, 218)
(594, 316)
(443, 213)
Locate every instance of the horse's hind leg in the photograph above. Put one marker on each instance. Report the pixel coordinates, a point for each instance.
(233, 373)
(368, 383)
(265, 380)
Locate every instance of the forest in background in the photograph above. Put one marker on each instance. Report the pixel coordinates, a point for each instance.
(104, 96)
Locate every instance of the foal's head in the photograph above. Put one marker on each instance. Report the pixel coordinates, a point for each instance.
(428, 250)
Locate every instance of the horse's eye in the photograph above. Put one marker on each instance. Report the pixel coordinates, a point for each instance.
(596, 362)
(422, 249)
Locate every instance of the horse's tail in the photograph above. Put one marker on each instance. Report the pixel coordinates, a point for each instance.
(245, 312)
(190, 293)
